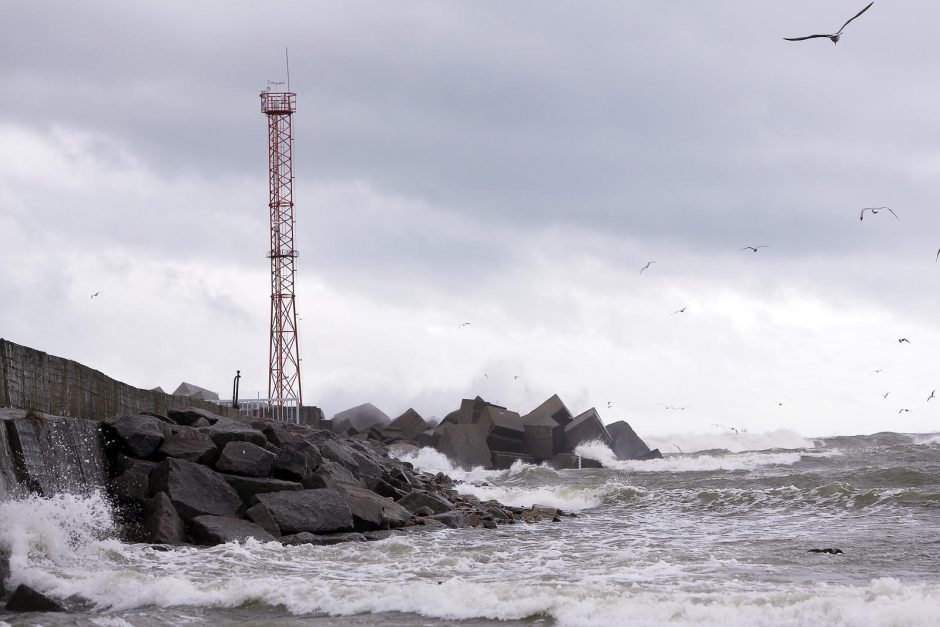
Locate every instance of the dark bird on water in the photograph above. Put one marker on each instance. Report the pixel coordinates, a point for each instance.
(754, 248)
(904, 339)
(932, 395)
(646, 266)
(829, 551)
(875, 210)
(834, 37)
(901, 411)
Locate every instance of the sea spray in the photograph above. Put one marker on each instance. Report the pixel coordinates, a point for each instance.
(728, 440)
(688, 463)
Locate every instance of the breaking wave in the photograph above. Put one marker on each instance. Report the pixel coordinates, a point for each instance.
(688, 463)
(724, 438)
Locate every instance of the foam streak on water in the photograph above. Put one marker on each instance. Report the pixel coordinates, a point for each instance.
(700, 539)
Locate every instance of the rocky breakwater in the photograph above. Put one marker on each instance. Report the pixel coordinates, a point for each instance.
(198, 478)
(491, 436)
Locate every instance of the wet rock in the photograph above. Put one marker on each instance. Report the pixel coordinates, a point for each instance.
(466, 445)
(360, 419)
(25, 599)
(245, 458)
(226, 430)
(248, 487)
(192, 417)
(305, 537)
(261, 516)
(193, 489)
(159, 417)
(315, 511)
(162, 524)
(383, 488)
(137, 436)
(4, 571)
(504, 461)
(455, 519)
(190, 444)
(333, 471)
(133, 485)
(625, 443)
(544, 511)
(415, 500)
(337, 452)
(654, 454)
(297, 460)
(406, 427)
(212, 530)
(371, 511)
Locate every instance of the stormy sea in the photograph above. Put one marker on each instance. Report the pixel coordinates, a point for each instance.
(716, 533)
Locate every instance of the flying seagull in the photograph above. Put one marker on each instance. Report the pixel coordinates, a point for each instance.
(877, 371)
(610, 404)
(95, 294)
(904, 410)
(904, 339)
(932, 395)
(754, 248)
(875, 210)
(885, 395)
(834, 37)
(679, 311)
(680, 450)
(938, 256)
(463, 324)
(646, 266)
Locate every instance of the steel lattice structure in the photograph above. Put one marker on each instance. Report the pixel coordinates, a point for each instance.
(284, 389)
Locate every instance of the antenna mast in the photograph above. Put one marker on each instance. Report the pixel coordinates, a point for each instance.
(284, 391)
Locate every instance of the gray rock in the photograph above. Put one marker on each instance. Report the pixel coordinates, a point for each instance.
(212, 530)
(226, 430)
(586, 427)
(194, 490)
(626, 444)
(360, 419)
(138, 436)
(415, 500)
(371, 511)
(337, 452)
(305, 537)
(192, 416)
(4, 569)
(456, 519)
(297, 460)
(654, 454)
(245, 458)
(25, 599)
(162, 524)
(406, 427)
(316, 511)
(133, 485)
(333, 472)
(248, 487)
(190, 444)
(466, 445)
(261, 516)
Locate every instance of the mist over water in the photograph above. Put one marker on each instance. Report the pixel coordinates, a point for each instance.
(718, 535)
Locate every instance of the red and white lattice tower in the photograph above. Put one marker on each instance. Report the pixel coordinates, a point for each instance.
(284, 392)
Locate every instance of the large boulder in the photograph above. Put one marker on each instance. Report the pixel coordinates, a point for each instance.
(296, 460)
(625, 443)
(248, 487)
(316, 511)
(406, 427)
(331, 471)
(162, 524)
(226, 430)
(245, 458)
(371, 511)
(137, 436)
(586, 427)
(192, 416)
(211, 530)
(465, 445)
(339, 452)
(261, 516)
(25, 599)
(133, 485)
(190, 444)
(360, 419)
(416, 499)
(193, 489)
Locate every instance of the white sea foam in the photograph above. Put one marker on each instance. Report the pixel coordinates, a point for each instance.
(727, 439)
(687, 463)
(927, 439)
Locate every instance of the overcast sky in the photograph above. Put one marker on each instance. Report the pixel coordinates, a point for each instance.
(508, 164)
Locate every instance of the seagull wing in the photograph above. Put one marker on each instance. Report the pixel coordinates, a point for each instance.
(855, 16)
(892, 213)
(938, 256)
(804, 38)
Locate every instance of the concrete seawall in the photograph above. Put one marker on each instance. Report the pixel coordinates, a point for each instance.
(32, 379)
